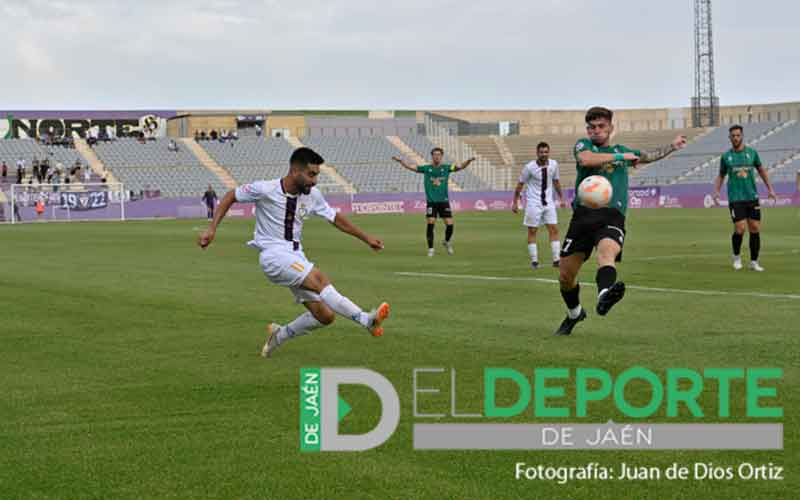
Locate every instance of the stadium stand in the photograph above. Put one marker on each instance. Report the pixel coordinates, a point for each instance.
(12, 150)
(366, 163)
(254, 158)
(466, 179)
(698, 156)
(152, 165)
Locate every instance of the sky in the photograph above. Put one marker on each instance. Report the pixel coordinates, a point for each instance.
(362, 54)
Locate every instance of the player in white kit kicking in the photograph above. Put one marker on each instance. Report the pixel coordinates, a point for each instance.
(541, 179)
(281, 207)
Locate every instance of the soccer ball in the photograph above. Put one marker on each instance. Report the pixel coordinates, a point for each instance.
(595, 191)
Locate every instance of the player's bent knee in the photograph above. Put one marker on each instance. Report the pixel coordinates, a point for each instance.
(316, 281)
(326, 316)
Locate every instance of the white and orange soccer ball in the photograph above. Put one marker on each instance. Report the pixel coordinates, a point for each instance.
(595, 192)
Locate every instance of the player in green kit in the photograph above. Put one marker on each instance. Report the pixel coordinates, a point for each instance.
(738, 164)
(437, 177)
(603, 228)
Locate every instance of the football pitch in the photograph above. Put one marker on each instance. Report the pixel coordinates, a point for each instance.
(130, 362)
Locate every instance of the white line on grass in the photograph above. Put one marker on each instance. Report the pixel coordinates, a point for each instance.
(631, 287)
(701, 256)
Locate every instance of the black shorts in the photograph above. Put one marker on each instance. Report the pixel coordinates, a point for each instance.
(741, 210)
(588, 226)
(439, 209)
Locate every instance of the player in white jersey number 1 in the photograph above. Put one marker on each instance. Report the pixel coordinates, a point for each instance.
(281, 207)
(540, 178)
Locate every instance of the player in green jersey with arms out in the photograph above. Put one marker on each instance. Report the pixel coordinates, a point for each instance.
(738, 164)
(603, 228)
(437, 177)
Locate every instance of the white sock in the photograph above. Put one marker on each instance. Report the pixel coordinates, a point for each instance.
(301, 325)
(533, 252)
(555, 248)
(343, 306)
(574, 312)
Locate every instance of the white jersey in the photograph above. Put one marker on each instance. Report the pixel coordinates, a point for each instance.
(279, 215)
(539, 182)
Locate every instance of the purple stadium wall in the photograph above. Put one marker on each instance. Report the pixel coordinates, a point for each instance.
(683, 196)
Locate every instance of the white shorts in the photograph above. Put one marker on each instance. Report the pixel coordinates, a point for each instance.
(288, 268)
(536, 215)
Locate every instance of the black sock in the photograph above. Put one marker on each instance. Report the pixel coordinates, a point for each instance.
(606, 276)
(755, 245)
(572, 297)
(448, 232)
(736, 241)
(429, 235)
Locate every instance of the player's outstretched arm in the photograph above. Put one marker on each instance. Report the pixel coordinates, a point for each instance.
(590, 159)
(663, 152)
(404, 164)
(464, 165)
(207, 236)
(344, 225)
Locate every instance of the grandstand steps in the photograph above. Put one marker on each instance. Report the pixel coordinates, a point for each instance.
(208, 162)
(505, 152)
(326, 169)
(97, 166)
(700, 170)
(416, 158)
(461, 151)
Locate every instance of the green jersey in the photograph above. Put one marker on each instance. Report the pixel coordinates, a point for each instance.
(740, 166)
(616, 172)
(436, 179)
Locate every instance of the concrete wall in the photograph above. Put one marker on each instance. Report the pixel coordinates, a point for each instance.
(572, 121)
(360, 127)
(296, 125)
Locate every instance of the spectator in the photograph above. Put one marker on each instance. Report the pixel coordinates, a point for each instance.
(196, 135)
(55, 180)
(35, 173)
(20, 170)
(258, 130)
(43, 168)
(4, 169)
(210, 199)
(213, 135)
(203, 136)
(173, 146)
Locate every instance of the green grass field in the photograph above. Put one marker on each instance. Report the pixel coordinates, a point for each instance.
(129, 363)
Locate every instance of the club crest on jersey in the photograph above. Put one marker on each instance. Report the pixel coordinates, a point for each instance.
(579, 146)
(302, 211)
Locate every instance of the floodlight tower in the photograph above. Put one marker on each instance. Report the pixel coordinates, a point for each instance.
(705, 103)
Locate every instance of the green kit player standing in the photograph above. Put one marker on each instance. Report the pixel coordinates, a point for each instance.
(603, 228)
(437, 177)
(738, 164)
